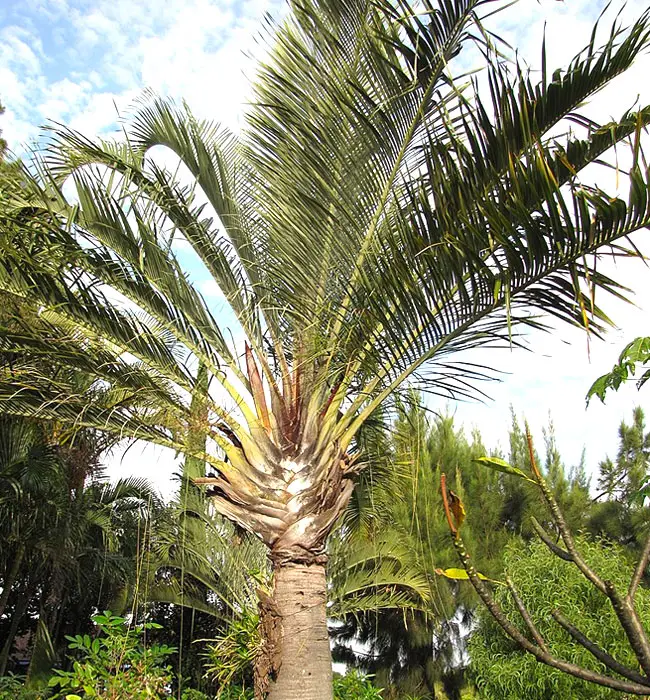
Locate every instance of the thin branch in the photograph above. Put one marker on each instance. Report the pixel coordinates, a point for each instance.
(599, 653)
(639, 571)
(532, 628)
(541, 533)
(559, 520)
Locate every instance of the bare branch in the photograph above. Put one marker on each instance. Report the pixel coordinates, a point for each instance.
(597, 651)
(559, 520)
(639, 571)
(542, 534)
(523, 611)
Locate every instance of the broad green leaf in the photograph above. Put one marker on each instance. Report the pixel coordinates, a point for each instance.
(501, 465)
(458, 574)
(636, 351)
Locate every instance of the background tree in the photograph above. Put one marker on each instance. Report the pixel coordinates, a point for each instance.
(545, 583)
(618, 511)
(423, 650)
(374, 217)
(69, 537)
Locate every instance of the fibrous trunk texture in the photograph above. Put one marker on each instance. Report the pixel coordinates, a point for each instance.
(305, 659)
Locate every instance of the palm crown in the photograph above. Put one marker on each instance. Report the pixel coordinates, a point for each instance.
(373, 216)
(377, 213)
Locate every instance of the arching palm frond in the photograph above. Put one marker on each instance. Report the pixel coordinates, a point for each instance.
(381, 211)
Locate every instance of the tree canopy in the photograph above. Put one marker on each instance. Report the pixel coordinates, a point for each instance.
(381, 211)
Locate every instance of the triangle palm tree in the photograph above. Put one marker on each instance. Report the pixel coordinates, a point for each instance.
(379, 213)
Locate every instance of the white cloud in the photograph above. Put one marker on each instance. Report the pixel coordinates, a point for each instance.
(101, 111)
(64, 98)
(141, 459)
(109, 51)
(210, 289)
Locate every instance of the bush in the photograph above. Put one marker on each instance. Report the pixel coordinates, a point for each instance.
(355, 686)
(235, 692)
(504, 672)
(192, 694)
(13, 688)
(230, 657)
(116, 665)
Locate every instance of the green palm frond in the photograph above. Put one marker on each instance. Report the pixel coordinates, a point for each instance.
(383, 209)
(376, 574)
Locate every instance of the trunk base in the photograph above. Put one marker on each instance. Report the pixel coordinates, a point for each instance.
(296, 650)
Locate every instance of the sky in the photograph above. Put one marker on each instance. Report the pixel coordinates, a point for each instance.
(83, 62)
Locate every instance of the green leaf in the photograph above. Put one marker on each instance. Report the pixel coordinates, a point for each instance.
(636, 351)
(501, 465)
(458, 574)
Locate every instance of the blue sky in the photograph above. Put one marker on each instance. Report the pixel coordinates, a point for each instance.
(83, 62)
(77, 61)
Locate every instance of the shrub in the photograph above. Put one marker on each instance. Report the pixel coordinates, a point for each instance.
(13, 688)
(355, 686)
(230, 657)
(192, 694)
(115, 665)
(545, 582)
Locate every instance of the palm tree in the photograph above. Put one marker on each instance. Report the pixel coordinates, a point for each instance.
(378, 214)
(69, 537)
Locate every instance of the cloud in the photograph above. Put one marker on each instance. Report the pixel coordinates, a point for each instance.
(73, 61)
(210, 289)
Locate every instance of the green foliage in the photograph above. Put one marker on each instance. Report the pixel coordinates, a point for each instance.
(69, 537)
(235, 692)
(116, 665)
(13, 688)
(546, 583)
(501, 465)
(193, 694)
(230, 658)
(636, 352)
(410, 652)
(355, 686)
(618, 512)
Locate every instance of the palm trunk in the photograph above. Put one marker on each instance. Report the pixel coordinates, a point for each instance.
(19, 611)
(304, 671)
(11, 578)
(43, 652)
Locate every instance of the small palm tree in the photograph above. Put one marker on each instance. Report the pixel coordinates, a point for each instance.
(378, 214)
(69, 537)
